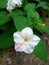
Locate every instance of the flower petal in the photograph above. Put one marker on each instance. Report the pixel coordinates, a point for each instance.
(24, 48)
(27, 32)
(28, 49)
(17, 37)
(18, 2)
(34, 41)
(12, 4)
(15, 2)
(20, 48)
(9, 8)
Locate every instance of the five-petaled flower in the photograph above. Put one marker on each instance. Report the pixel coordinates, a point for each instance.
(12, 3)
(25, 40)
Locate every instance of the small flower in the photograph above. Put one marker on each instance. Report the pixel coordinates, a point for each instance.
(12, 3)
(25, 41)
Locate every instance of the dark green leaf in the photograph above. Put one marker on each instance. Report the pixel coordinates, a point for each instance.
(4, 17)
(44, 5)
(24, 2)
(17, 12)
(6, 26)
(3, 27)
(33, 16)
(6, 39)
(45, 0)
(3, 3)
(38, 0)
(29, 6)
(40, 51)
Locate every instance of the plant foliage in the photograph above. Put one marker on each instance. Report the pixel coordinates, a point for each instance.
(26, 16)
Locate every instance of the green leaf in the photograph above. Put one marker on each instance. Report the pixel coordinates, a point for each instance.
(24, 2)
(20, 22)
(45, 0)
(4, 17)
(33, 16)
(6, 26)
(44, 5)
(42, 28)
(30, 6)
(3, 27)
(40, 51)
(42, 20)
(6, 39)
(3, 3)
(17, 12)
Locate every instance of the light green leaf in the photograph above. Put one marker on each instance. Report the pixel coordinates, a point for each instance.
(44, 5)
(3, 3)
(40, 51)
(4, 17)
(20, 22)
(42, 28)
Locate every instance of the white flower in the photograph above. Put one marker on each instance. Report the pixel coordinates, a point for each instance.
(25, 41)
(12, 3)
